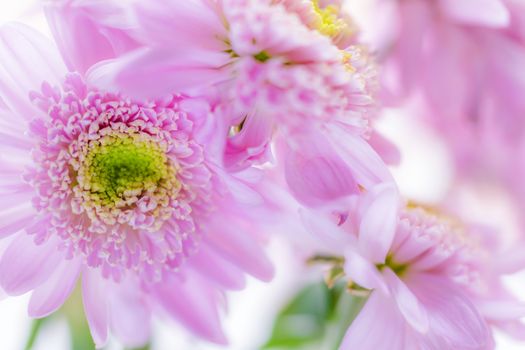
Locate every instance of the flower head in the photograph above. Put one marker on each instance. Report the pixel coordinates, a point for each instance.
(123, 183)
(129, 196)
(424, 280)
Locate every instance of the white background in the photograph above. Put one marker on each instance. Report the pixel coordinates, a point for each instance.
(251, 311)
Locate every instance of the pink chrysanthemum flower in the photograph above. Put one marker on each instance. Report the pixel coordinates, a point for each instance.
(272, 65)
(427, 275)
(127, 196)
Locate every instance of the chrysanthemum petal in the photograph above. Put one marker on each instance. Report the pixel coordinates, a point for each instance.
(212, 266)
(27, 59)
(81, 37)
(13, 219)
(491, 13)
(379, 325)
(50, 295)
(25, 265)
(196, 22)
(367, 167)
(194, 304)
(314, 172)
(455, 323)
(130, 315)
(411, 309)
(149, 72)
(329, 235)
(378, 222)
(95, 297)
(241, 249)
(364, 273)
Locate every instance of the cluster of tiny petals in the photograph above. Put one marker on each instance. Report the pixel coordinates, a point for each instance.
(121, 182)
(321, 92)
(426, 240)
(269, 27)
(121, 172)
(295, 69)
(325, 16)
(327, 20)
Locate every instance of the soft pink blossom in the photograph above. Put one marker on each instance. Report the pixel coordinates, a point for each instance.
(435, 282)
(174, 242)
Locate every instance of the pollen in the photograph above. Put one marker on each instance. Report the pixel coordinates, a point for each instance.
(348, 61)
(328, 20)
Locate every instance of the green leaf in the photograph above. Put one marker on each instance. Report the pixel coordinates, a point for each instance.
(301, 321)
(316, 318)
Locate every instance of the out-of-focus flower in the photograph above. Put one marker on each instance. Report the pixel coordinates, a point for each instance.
(432, 279)
(461, 60)
(129, 197)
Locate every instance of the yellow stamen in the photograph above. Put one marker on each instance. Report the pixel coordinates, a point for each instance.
(328, 21)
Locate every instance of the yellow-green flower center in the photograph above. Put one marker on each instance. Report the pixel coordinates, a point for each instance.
(120, 165)
(122, 172)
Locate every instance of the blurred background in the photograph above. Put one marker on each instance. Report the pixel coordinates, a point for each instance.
(425, 174)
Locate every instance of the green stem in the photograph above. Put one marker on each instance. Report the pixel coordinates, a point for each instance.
(36, 326)
(145, 347)
(74, 312)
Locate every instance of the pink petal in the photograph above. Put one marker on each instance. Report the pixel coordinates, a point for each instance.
(27, 59)
(511, 261)
(252, 142)
(378, 221)
(364, 272)
(314, 173)
(368, 168)
(241, 192)
(454, 321)
(25, 265)
(197, 23)
(385, 148)
(501, 310)
(82, 38)
(14, 220)
(95, 298)
(151, 73)
(490, 13)
(211, 266)
(411, 309)
(379, 326)
(329, 235)
(238, 247)
(194, 304)
(449, 68)
(15, 194)
(516, 329)
(130, 315)
(50, 295)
